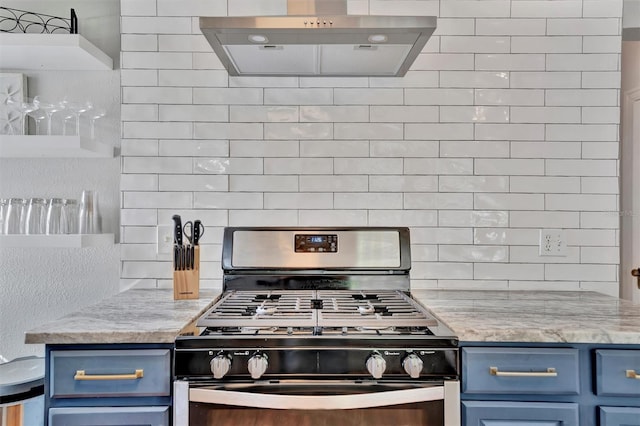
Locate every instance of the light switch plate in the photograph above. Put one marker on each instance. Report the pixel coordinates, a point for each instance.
(553, 242)
(164, 242)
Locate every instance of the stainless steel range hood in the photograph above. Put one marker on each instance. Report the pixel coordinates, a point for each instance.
(314, 40)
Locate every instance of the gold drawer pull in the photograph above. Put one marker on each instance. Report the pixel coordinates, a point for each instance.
(551, 372)
(631, 374)
(80, 375)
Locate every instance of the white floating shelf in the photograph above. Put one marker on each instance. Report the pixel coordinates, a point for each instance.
(58, 241)
(32, 146)
(51, 52)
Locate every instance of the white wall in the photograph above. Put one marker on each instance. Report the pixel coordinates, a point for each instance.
(38, 284)
(507, 123)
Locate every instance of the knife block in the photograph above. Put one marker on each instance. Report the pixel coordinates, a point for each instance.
(186, 283)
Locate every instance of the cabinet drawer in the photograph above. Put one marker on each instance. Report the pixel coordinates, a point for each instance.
(617, 372)
(484, 413)
(520, 371)
(619, 416)
(91, 373)
(109, 416)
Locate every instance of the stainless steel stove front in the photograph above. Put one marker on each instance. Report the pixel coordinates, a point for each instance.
(315, 326)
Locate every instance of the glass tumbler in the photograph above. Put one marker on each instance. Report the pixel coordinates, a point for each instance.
(88, 216)
(55, 217)
(3, 213)
(15, 216)
(70, 209)
(36, 219)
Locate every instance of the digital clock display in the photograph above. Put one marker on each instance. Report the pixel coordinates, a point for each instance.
(316, 243)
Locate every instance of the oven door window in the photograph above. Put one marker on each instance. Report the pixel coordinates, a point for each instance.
(316, 404)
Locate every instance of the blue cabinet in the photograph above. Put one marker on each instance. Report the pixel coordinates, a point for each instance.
(109, 416)
(619, 416)
(501, 413)
(618, 372)
(108, 385)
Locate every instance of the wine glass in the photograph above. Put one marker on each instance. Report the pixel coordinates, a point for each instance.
(50, 109)
(76, 109)
(38, 115)
(24, 108)
(95, 115)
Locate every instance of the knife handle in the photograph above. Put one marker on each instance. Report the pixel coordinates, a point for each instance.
(196, 231)
(177, 229)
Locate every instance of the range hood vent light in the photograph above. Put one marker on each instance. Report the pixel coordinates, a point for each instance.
(318, 45)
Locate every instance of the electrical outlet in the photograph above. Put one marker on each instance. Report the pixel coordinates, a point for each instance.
(553, 242)
(164, 242)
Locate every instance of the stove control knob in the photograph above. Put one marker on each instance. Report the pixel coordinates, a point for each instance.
(412, 364)
(220, 365)
(376, 365)
(257, 365)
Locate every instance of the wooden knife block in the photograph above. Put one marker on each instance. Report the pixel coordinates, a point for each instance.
(186, 284)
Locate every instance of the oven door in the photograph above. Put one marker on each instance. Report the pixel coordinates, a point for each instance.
(317, 403)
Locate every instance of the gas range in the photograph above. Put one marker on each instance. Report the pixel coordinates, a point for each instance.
(317, 303)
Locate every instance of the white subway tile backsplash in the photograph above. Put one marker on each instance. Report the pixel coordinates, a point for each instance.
(334, 148)
(544, 184)
(475, 9)
(510, 27)
(189, 183)
(546, 9)
(474, 79)
(404, 148)
(227, 165)
(299, 200)
(138, 78)
(545, 80)
(492, 149)
(505, 124)
(473, 184)
(584, 97)
(438, 97)
(586, 26)
(516, 97)
(369, 200)
(261, 148)
(368, 131)
(474, 44)
(489, 201)
(404, 218)
(192, 78)
(582, 62)
(193, 148)
(335, 183)
(333, 114)
(156, 130)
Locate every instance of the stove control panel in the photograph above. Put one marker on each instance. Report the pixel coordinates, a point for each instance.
(316, 243)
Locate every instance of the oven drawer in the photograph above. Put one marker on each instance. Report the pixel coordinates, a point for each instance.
(91, 373)
(520, 371)
(617, 372)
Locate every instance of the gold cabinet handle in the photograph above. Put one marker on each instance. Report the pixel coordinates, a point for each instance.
(551, 372)
(631, 374)
(81, 375)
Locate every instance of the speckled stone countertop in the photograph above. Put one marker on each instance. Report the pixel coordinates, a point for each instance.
(152, 316)
(529, 316)
(133, 316)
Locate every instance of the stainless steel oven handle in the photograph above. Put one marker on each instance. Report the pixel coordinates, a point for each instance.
(315, 402)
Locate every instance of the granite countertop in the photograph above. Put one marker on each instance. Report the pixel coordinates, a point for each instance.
(530, 316)
(133, 316)
(152, 316)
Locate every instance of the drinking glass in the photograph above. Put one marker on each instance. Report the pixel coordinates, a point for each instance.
(24, 108)
(70, 209)
(36, 220)
(55, 216)
(75, 110)
(88, 216)
(50, 109)
(95, 115)
(3, 213)
(15, 216)
(38, 115)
